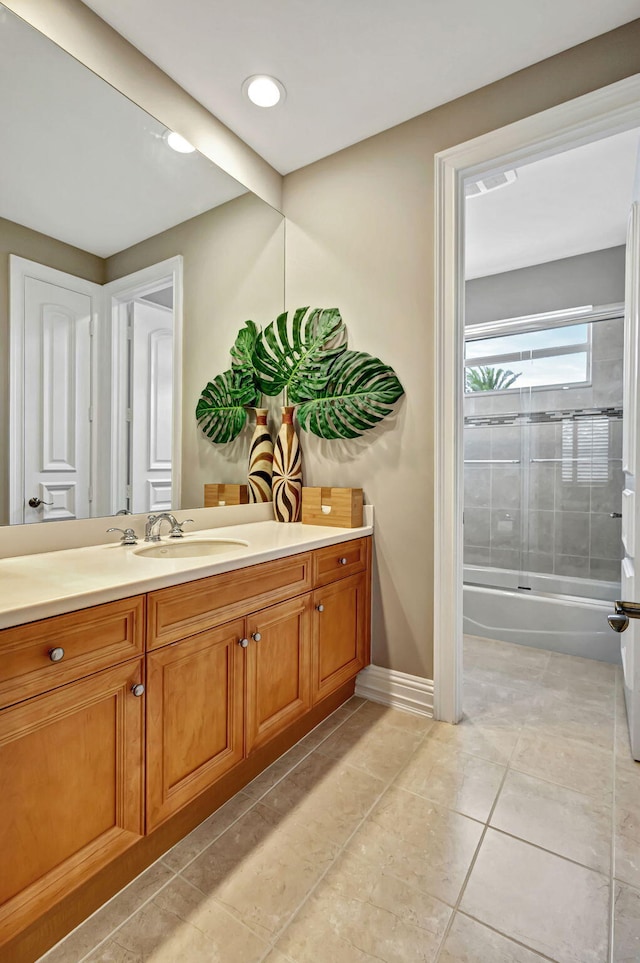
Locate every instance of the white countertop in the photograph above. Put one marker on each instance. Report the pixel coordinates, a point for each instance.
(37, 586)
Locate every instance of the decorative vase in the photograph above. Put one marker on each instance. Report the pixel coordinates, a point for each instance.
(287, 471)
(260, 460)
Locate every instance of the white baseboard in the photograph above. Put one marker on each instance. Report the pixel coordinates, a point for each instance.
(397, 689)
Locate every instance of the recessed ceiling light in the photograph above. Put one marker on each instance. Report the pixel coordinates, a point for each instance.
(263, 91)
(178, 142)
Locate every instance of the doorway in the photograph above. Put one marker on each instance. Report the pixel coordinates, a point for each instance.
(587, 119)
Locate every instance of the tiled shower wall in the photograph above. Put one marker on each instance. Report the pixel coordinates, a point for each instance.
(550, 516)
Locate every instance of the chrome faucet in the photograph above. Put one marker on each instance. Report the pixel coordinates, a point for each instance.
(153, 523)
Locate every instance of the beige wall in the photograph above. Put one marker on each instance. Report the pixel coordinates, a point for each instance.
(15, 239)
(233, 270)
(360, 236)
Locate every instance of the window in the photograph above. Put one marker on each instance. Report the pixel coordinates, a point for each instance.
(552, 357)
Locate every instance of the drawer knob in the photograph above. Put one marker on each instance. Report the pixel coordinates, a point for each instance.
(57, 654)
(137, 689)
(243, 642)
(256, 636)
(320, 607)
(342, 560)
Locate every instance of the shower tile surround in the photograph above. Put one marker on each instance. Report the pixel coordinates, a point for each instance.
(542, 516)
(486, 841)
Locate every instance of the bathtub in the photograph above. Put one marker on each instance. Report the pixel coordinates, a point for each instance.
(566, 615)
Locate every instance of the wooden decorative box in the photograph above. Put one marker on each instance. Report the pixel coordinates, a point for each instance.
(338, 507)
(215, 495)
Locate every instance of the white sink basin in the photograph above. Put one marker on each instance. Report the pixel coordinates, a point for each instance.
(199, 548)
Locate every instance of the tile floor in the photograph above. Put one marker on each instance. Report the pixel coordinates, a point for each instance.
(384, 836)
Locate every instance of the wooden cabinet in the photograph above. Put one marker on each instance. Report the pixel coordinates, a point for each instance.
(72, 782)
(238, 667)
(195, 717)
(182, 610)
(340, 633)
(43, 655)
(215, 697)
(340, 561)
(278, 687)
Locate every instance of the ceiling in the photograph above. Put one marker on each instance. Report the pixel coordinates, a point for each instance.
(351, 67)
(567, 204)
(80, 162)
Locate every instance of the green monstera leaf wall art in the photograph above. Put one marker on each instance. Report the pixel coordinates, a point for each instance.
(338, 393)
(294, 356)
(359, 392)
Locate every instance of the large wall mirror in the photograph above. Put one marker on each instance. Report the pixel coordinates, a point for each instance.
(126, 269)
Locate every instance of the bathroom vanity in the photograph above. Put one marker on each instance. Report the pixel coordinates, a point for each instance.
(157, 691)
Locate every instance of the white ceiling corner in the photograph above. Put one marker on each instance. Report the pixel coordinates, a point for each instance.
(352, 68)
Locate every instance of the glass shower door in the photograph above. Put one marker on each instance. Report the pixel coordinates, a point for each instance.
(495, 527)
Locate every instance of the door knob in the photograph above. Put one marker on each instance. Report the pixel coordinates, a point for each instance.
(243, 643)
(615, 514)
(342, 560)
(137, 689)
(36, 502)
(57, 654)
(619, 620)
(320, 607)
(256, 636)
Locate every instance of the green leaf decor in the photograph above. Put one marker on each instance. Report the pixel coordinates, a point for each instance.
(243, 348)
(221, 411)
(294, 355)
(337, 393)
(358, 393)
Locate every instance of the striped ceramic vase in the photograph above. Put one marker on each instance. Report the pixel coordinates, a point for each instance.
(287, 471)
(260, 460)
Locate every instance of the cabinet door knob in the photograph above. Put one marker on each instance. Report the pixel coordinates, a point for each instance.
(57, 654)
(320, 607)
(137, 689)
(342, 560)
(256, 636)
(243, 642)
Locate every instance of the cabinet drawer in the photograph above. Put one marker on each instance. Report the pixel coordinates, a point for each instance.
(339, 561)
(183, 610)
(90, 639)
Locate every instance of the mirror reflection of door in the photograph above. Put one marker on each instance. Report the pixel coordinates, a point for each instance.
(52, 324)
(151, 366)
(91, 392)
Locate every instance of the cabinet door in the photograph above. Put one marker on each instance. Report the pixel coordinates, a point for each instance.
(194, 717)
(340, 630)
(278, 669)
(72, 779)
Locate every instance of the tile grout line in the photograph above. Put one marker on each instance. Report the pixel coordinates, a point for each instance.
(472, 864)
(176, 873)
(512, 939)
(256, 800)
(279, 933)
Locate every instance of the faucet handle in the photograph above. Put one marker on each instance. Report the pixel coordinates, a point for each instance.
(129, 537)
(176, 528)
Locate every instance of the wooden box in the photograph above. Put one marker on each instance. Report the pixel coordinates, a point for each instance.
(337, 507)
(215, 495)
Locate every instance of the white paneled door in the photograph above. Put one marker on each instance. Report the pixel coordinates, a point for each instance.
(630, 588)
(51, 331)
(152, 406)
